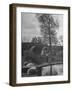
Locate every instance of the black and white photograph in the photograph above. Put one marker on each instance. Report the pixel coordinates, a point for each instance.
(41, 44)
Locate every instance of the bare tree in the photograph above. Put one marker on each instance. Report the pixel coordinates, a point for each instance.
(48, 29)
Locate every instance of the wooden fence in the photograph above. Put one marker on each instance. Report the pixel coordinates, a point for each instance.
(48, 64)
(39, 67)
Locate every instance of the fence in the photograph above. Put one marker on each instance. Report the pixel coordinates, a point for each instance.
(39, 67)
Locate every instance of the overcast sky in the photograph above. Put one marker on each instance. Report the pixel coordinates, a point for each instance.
(30, 26)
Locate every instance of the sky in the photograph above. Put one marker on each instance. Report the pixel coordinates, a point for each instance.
(30, 26)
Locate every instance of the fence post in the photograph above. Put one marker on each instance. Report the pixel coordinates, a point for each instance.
(39, 71)
(50, 69)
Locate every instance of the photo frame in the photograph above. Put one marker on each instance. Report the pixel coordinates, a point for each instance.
(39, 44)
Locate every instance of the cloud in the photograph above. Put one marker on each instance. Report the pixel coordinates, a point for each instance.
(29, 26)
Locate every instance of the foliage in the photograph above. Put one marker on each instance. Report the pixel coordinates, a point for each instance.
(36, 40)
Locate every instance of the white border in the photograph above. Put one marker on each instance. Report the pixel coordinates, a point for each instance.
(20, 79)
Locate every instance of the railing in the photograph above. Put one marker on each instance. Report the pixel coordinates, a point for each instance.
(39, 67)
(48, 64)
